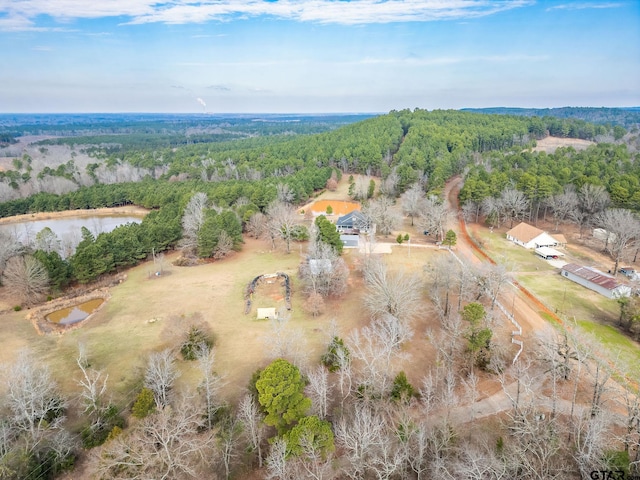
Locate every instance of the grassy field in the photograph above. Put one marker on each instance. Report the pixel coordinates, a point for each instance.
(561, 296)
(593, 313)
(626, 349)
(148, 314)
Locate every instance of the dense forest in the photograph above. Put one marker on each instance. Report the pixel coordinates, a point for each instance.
(244, 175)
(625, 117)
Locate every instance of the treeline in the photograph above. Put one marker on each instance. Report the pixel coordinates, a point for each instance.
(417, 145)
(413, 144)
(154, 194)
(625, 117)
(540, 175)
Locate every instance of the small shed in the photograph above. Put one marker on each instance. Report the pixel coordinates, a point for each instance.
(627, 271)
(269, 313)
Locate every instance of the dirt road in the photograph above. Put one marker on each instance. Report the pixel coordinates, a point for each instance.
(518, 301)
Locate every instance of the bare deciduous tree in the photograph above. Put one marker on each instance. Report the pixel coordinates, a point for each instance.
(257, 225)
(393, 293)
(9, 247)
(512, 204)
(491, 279)
(160, 376)
(359, 432)
(284, 341)
(93, 385)
(32, 397)
(319, 391)
(535, 449)
(413, 203)
(592, 200)
(193, 219)
(592, 438)
(434, 216)
(314, 304)
(278, 465)
(285, 194)
(282, 219)
(361, 188)
(228, 439)
(389, 186)
(477, 460)
(253, 421)
(164, 445)
(210, 384)
(224, 245)
(443, 273)
(374, 347)
(563, 204)
(26, 279)
(381, 213)
(623, 227)
(324, 272)
(47, 241)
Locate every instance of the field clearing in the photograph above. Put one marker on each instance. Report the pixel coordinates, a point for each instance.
(551, 144)
(339, 207)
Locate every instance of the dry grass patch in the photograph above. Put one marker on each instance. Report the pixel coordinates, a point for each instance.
(135, 320)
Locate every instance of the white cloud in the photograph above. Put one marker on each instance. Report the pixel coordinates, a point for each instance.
(19, 14)
(584, 6)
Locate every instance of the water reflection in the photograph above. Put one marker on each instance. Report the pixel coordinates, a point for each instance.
(67, 230)
(75, 313)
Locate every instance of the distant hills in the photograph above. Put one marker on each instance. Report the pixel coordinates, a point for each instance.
(625, 116)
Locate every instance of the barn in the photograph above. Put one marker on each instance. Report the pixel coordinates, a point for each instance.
(595, 280)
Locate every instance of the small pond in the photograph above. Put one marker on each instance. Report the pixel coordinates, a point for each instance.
(75, 313)
(67, 229)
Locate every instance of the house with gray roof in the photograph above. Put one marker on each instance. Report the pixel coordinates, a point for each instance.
(353, 222)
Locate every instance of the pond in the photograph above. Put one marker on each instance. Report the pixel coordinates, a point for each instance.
(75, 313)
(67, 229)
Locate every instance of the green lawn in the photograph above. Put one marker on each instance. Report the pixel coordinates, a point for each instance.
(628, 350)
(513, 256)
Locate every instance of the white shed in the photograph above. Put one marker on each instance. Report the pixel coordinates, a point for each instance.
(269, 313)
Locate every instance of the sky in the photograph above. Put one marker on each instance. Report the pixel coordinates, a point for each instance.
(316, 56)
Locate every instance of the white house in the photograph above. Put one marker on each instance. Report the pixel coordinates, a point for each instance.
(595, 280)
(528, 236)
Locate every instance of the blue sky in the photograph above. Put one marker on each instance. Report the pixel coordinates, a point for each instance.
(315, 56)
